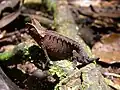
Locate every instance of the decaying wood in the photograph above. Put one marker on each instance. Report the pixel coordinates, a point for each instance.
(87, 78)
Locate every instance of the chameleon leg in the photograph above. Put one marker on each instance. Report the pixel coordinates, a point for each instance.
(83, 59)
(79, 58)
(75, 58)
(46, 55)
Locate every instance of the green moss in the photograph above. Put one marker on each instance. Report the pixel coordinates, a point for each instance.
(51, 4)
(19, 50)
(58, 71)
(5, 55)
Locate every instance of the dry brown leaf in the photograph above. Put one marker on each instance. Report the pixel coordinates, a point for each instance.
(108, 50)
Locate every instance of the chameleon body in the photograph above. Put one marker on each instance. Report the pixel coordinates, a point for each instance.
(56, 45)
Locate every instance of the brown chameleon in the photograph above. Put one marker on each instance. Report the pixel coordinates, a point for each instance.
(58, 47)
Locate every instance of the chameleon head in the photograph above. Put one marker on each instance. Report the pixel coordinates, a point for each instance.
(37, 27)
